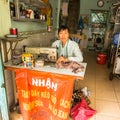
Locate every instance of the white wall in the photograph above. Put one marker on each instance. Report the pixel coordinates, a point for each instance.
(5, 23)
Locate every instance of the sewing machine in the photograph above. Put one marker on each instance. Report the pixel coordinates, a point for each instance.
(49, 54)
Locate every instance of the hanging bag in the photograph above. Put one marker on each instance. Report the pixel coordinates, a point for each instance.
(115, 38)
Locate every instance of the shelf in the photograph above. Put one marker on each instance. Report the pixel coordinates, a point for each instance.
(28, 20)
(12, 39)
(37, 3)
(117, 23)
(9, 48)
(28, 10)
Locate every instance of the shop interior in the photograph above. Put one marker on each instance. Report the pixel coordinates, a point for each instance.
(30, 29)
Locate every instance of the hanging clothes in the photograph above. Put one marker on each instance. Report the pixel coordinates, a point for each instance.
(65, 9)
(81, 23)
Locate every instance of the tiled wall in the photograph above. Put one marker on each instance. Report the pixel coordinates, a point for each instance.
(37, 39)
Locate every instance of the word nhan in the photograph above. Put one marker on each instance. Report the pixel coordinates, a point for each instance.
(45, 83)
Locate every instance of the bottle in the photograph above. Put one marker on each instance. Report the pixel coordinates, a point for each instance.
(24, 62)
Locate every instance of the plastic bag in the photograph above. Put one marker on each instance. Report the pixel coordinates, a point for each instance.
(115, 38)
(82, 111)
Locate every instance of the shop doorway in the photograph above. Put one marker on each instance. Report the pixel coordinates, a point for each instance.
(97, 28)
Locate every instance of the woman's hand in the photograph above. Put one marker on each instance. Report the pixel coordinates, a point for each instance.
(62, 59)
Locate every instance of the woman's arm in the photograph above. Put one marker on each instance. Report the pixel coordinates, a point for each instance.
(76, 54)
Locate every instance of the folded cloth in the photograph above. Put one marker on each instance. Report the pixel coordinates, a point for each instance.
(74, 66)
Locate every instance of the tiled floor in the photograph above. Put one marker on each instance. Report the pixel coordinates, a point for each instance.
(105, 94)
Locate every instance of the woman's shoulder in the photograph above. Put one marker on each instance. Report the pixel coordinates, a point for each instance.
(55, 43)
(73, 42)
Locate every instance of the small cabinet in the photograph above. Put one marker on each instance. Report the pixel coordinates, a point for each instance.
(28, 10)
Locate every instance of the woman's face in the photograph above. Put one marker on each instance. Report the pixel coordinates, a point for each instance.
(64, 35)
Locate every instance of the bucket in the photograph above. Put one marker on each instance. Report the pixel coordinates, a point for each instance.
(101, 58)
(13, 31)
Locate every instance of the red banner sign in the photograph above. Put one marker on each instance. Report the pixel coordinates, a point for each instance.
(43, 95)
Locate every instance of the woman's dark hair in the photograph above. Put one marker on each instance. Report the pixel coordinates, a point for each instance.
(63, 28)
